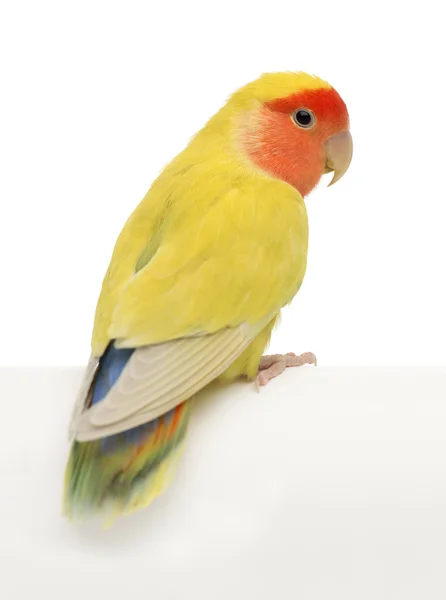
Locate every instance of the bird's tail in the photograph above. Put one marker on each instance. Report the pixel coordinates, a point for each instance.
(124, 472)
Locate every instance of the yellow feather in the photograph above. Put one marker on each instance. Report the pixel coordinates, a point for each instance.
(271, 86)
(214, 243)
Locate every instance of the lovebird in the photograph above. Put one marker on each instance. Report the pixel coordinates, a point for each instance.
(196, 283)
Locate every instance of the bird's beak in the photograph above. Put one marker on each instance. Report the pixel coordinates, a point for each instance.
(338, 155)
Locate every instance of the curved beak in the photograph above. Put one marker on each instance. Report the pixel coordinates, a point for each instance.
(338, 155)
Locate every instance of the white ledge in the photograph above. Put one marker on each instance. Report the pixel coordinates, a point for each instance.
(330, 483)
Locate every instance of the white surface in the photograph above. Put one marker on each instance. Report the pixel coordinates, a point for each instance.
(97, 96)
(330, 484)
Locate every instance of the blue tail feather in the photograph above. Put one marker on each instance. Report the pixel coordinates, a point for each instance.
(111, 365)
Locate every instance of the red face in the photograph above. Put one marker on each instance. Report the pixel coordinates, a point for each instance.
(289, 136)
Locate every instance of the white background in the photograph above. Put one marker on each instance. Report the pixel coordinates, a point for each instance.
(328, 485)
(97, 96)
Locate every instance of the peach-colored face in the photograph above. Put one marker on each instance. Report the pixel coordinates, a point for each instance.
(292, 151)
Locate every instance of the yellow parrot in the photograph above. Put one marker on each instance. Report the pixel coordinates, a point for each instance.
(196, 282)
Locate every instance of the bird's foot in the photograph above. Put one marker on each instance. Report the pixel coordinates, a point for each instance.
(274, 364)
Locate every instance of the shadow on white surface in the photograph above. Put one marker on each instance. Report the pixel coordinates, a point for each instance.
(330, 483)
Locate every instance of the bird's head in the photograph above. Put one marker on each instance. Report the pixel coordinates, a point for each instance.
(293, 126)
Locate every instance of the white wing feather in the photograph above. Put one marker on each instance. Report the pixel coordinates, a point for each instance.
(157, 378)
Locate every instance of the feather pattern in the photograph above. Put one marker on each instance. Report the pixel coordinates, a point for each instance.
(125, 471)
(121, 473)
(136, 386)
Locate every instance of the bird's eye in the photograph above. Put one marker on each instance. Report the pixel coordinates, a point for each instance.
(304, 118)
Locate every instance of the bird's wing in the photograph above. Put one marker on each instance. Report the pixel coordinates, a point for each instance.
(236, 262)
(211, 286)
(159, 377)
